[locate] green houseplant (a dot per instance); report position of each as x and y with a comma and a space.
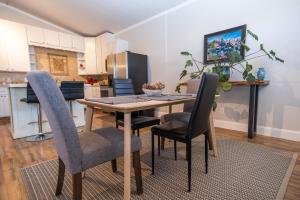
194, 68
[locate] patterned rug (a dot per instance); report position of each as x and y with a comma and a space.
240, 171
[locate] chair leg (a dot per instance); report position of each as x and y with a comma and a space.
61, 176
77, 186
158, 148
138, 172
189, 148
206, 153
138, 132
114, 165
162, 143
175, 149
152, 151
186, 152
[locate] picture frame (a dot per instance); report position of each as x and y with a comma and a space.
58, 64
218, 44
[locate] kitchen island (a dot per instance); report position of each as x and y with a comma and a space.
24, 116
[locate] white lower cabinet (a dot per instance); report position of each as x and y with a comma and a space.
24, 116
4, 102
92, 91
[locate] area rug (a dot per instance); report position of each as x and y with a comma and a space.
240, 171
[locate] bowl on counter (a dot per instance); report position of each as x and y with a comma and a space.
152, 93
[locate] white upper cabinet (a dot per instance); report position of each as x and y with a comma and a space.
65, 40
52, 38
78, 43
104, 44
90, 57
4, 66
17, 49
119, 46
35, 35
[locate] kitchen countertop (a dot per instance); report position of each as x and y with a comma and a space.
24, 85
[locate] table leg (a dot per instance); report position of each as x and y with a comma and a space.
252, 111
163, 139
89, 113
256, 105
212, 134
127, 154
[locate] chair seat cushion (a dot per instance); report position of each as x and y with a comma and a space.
173, 129
103, 145
179, 116
141, 122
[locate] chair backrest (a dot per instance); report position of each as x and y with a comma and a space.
72, 90
123, 87
198, 123
31, 97
65, 134
192, 87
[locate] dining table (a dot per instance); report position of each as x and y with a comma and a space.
129, 104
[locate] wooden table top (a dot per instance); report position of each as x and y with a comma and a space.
242, 83
245, 83
131, 107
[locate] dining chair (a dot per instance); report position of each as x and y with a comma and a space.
79, 152
197, 123
124, 87
182, 117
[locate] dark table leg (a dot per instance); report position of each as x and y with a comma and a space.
256, 106
253, 102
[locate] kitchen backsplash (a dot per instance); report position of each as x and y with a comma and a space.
52, 60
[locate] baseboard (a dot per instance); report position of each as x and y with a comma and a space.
261, 130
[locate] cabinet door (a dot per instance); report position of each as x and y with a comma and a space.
65, 40
78, 43
104, 48
51, 38
99, 54
90, 56
23, 116
3, 52
35, 35
17, 47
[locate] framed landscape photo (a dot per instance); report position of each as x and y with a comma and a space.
218, 44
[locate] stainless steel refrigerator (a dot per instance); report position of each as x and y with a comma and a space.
129, 65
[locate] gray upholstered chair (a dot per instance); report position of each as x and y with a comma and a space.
79, 152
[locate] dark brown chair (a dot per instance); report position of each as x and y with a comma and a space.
197, 125
124, 87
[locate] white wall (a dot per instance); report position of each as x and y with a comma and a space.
277, 24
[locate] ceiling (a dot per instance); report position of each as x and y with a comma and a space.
93, 17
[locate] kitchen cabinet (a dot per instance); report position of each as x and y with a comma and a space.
65, 40
35, 35
4, 66
104, 44
90, 66
119, 46
24, 116
92, 91
4, 102
78, 43
14, 47
52, 38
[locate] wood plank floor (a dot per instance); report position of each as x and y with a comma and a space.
15, 154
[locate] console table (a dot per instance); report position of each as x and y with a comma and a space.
253, 103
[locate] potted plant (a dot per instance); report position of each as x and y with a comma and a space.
194, 68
